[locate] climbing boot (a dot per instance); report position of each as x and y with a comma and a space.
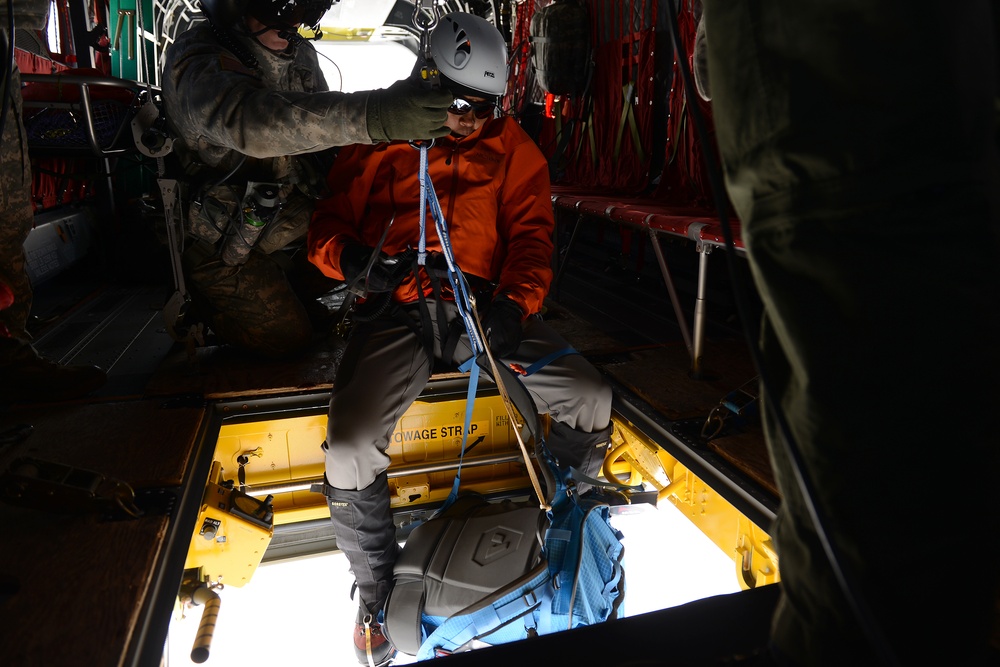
580, 450
371, 646
365, 532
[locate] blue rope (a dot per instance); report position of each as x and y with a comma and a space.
459, 285
424, 176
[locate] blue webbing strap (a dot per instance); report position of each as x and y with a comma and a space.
455, 277
470, 396
423, 176
460, 287
547, 359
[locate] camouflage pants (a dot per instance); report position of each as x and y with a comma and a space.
251, 306
15, 214
869, 210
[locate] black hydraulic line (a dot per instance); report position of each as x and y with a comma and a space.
80, 30
847, 580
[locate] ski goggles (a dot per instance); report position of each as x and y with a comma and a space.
462, 106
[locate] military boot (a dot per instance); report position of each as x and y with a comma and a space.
366, 534
28, 377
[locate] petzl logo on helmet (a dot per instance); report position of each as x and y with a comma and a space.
489, 74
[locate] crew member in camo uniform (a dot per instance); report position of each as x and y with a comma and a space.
26, 375
862, 163
246, 96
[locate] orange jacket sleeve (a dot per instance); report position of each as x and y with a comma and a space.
337, 219
525, 224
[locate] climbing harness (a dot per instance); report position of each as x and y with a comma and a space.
359, 288
460, 286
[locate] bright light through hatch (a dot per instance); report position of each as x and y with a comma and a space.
299, 611
358, 51
353, 66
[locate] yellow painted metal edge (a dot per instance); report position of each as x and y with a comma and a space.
641, 460
289, 452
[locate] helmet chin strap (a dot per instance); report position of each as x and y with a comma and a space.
290, 35
287, 33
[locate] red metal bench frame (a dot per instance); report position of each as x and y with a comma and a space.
700, 226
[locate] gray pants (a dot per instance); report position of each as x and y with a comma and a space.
252, 306
385, 367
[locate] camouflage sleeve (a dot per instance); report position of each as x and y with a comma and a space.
28, 14
212, 98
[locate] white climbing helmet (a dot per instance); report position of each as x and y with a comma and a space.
471, 55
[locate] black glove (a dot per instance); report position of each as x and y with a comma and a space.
503, 326
407, 110
386, 271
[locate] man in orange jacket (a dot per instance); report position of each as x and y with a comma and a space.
493, 186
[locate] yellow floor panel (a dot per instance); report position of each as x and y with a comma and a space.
283, 457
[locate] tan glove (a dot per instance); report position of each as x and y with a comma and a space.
407, 110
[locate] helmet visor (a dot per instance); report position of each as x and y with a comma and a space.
288, 13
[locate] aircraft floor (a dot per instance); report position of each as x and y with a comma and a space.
622, 327
120, 327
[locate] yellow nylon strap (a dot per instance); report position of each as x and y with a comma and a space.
676, 139
513, 415
628, 116
587, 135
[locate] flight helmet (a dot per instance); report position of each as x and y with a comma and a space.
274, 13
470, 54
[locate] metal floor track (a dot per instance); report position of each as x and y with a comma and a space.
119, 328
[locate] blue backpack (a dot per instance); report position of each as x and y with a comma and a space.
482, 573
